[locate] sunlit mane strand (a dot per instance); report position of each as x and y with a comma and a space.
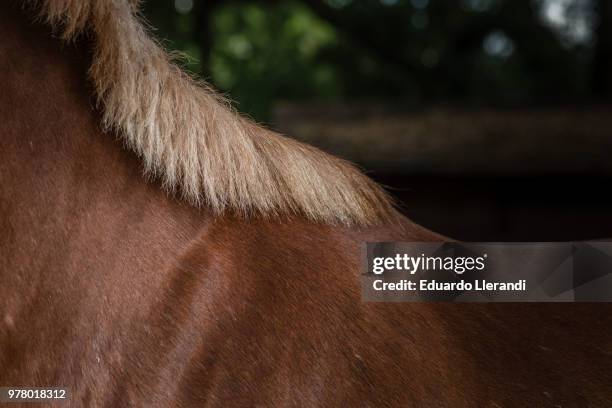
191, 139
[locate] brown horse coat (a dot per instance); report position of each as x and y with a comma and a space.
129, 297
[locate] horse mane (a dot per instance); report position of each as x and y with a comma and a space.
193, 140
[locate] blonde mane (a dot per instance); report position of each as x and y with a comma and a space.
191, 139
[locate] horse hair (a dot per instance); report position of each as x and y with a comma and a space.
193, 141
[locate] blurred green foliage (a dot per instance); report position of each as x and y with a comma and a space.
400, 52
259, 56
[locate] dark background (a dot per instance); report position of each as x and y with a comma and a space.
487, 119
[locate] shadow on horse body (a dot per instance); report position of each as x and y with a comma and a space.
130, 296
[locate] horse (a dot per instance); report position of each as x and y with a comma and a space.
158, 249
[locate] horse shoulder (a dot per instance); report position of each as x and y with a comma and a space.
282, 320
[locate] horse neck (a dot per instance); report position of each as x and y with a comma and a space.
63, 180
